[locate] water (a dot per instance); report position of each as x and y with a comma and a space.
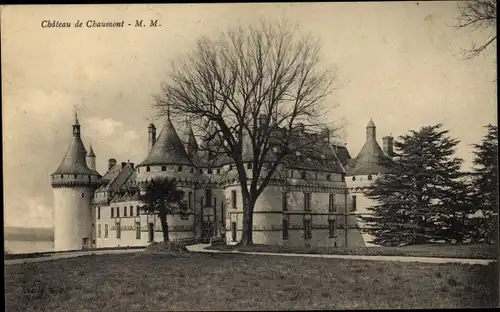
19, 246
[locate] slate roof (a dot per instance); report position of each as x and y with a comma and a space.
91, 152
168, 149
75, 162
371, 159
117, 177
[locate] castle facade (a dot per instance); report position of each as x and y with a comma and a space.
312, 200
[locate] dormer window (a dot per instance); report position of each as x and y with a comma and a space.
354, 178
148, 169
328, 177
179, 168
218, 171
62, 176
369, 177
163, 168
249, 165
230, 167
303, 175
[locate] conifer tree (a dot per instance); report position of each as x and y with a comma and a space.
419, 200
161, 197
485, 185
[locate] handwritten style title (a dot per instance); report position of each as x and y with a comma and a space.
98, 24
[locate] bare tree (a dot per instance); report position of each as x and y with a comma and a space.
256, 96
476, 15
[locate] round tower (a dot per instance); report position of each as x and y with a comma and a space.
73, 185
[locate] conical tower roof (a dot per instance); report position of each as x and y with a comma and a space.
91, 151
371, 159
168, 148
192, 145
74, 162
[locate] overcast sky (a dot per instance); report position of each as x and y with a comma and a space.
399, 64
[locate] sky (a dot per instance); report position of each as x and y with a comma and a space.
398, 63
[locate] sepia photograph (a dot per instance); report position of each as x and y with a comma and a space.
250, 156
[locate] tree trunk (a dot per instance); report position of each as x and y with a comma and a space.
164, 227
247, 234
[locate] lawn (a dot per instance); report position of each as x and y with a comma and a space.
476, 251
133, 282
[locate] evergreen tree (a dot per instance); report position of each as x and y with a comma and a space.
161, 197
485, 185
419, 200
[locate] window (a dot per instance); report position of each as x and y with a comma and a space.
148, 169
208, 197
62, 176
118, 230
354, 203
218, 171
98, 231
223, 214
184, 215
210, 170
307, 229
138, 211
105, 231
331, 228
98, 213
354, 178
249, 165
331, 202
328, 177
75, 176
369, 177
124, 211
215, 202
192, 170
117, 212
307, 201
163, 168
138, 230
179, 168
284, 201
303, 175
190, 200
200, 171
112, 212
233, 231
131, 211
138, 170
285, 229
291, 174
343, 178
83, 195
230, 167
233, 199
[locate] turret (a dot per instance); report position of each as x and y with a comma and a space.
91, 158
371, 133
73, 186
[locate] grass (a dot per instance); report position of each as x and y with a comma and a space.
189, 281
483, 251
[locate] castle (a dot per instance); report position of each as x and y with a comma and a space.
311, 200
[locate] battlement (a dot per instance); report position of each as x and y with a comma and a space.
75, 180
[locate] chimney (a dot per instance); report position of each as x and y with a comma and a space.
388, 146
371, 133
151, 136
111, 163
326, 134
261, 120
